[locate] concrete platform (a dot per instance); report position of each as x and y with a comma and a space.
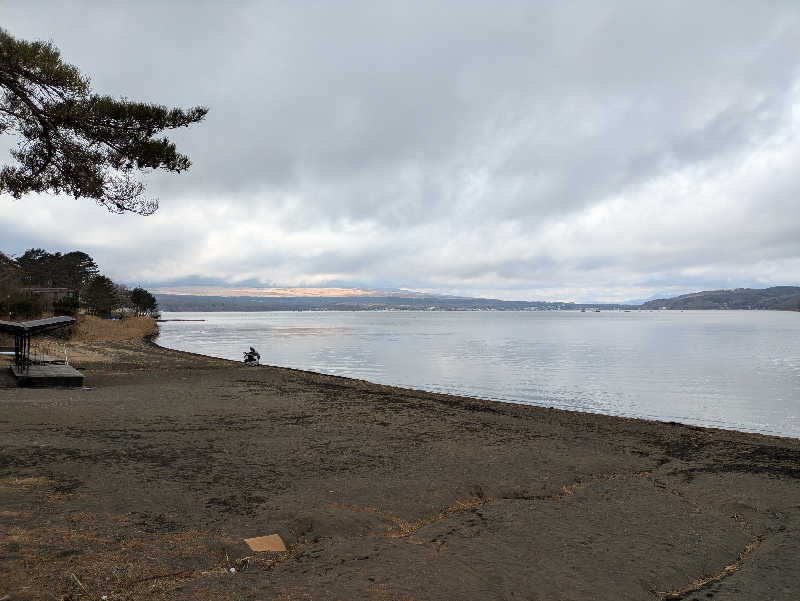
47, 375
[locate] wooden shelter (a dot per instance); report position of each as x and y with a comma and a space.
43, 372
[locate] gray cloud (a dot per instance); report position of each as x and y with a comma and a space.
525, 149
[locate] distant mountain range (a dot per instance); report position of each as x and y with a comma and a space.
785, 298
223, 291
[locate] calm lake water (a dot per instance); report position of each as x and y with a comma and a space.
730, 369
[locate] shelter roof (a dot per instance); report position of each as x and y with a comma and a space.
36, 326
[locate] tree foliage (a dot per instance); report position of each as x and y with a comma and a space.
143, 302
100, 296
10, 285
76, 142
66, 306
10, 272
77, 269
72, 270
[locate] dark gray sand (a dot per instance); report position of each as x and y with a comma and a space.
144, 486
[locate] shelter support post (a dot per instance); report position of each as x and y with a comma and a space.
22, 349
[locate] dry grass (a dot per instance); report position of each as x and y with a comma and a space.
58, 555
86, 560
699, 583
22, 483
86, 339
96, 329
403, 528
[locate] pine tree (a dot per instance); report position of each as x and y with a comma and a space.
143, 302
10, 284
72, 270
76, 142
100, 296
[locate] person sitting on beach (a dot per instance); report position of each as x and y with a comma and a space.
252, 356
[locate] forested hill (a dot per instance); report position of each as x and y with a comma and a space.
786, 298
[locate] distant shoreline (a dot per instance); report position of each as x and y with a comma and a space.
166, 320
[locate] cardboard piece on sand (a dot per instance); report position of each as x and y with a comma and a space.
273, 542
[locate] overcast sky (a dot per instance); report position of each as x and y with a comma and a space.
520, 150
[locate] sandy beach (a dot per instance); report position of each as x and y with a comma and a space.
143, 485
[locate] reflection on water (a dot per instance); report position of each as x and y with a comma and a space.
730, 369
